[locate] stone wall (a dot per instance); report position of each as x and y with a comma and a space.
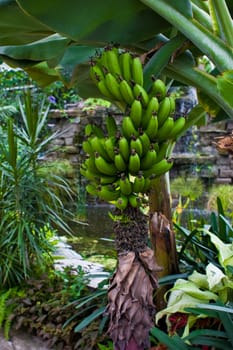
195, 153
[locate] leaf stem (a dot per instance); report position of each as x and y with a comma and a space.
223, 19
219, 53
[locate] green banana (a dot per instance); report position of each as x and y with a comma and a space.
104, 167
125, 185
152, 109
173, 104
162, 151
139, 183
97, 131
90, 165
88, 130
113, 86
135, 143
137, 71
113, 64
120, 162
165, 130
125, 63
106, 180
96, 73
128, 128
134, 162
158, 89
122, 202
136, 113
89, 175
108, 193
141, 94
111, 126
109, 145
91, 188
152, 128
126, 92
164, 110
124, 149
147, 185
134, 200
97, 145
149, 159
86, 146
158, 169
177, 128
104, 90
145, 141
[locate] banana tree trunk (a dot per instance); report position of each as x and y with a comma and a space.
161, 232
131, 306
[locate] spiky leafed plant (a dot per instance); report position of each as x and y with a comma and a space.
30, 207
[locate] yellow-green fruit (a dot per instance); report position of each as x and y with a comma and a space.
149, 159
86, 146
158, 89
128, 128
152, 109
136, 144
138, 184
125, 63
152, 128
126, 92
136, 113
91, 189
141, 94
145, 141
108, 193
177, 128
125, 186
134, 200
96, 73
111, 126
124, 148
113, 86
164, 110
165, 130
104, 167
122, 202
104, 90
158, 169
120, 162
134, 162
113, 64
97, 145
137, 71
109, 145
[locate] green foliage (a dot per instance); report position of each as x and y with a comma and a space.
47, 302
7, 307
199, 310
29, 205
225, 193
14, 82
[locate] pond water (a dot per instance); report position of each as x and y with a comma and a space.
94, 238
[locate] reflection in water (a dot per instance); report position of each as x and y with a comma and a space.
96, 236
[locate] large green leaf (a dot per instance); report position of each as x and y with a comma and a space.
16, 27
161, 58
208, 43
44, 49
225, 86
97, 22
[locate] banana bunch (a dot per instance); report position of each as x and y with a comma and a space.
121, 164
